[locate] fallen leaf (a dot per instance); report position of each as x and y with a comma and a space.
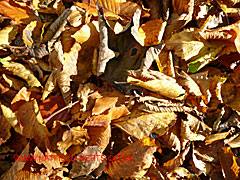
16, 12
151, 32
74, 136
141, 125
83, 165
157, 82
228, 163
21, 71
141, 153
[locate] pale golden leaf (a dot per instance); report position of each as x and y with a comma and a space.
7, 34
22, 72
141, 125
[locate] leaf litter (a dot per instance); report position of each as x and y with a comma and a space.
119, 89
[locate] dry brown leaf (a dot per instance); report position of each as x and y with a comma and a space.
233, 141
83, 164
17, 166
216, 137
11, 118
74, 136
31, 123
111, 5
141, 153
179, 173
7, 34
171, 139
5, 129
185, 80
21, 71
103, 104
99, 136
44, 7
229, 163
151, 32
157, 82
193, 129
177, 161
49, 160
13, 82
141, 125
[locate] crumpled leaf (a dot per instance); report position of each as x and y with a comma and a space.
48, 164
141, 125
185, 45
85, 167
48, 7
31, 123
105, 54
11, 118
7, 34
17, 166
193, 129
21, 71
177, 161
74, 136
229, 163
142, 154
56, 28
185, 80
157, 82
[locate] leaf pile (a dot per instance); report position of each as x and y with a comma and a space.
150, 86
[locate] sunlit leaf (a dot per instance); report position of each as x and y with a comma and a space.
151, 32
141, 125
21, 71
7, 34
229, 163
16, 12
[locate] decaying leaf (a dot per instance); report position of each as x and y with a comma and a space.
229, 163
85, 167
157, 82
21, 71
74, 136
152, 122
141, 154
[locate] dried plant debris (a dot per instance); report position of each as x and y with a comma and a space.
119, 89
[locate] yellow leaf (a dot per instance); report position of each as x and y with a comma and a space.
229, 163
88, 34
27, 33
7, 34
141, 125
56, 8
157, 82
185, 45
22, 72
